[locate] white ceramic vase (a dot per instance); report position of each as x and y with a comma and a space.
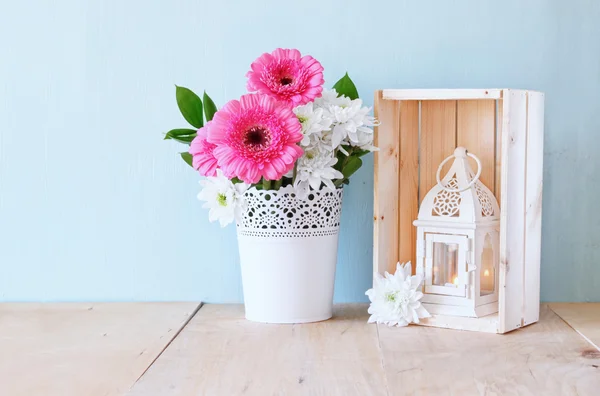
288, 253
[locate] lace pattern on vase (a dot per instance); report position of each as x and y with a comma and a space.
446, 203
282, 214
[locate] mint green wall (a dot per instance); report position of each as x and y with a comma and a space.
95, 206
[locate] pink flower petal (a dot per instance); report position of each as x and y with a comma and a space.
202, 151
286, 76
255, 137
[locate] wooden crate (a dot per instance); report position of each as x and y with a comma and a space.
504, 128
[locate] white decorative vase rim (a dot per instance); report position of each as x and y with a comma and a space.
280, 213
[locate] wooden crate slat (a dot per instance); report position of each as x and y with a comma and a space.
475, 129
533, 202
438, 140
385, 233
512, 208
441, 94
498, 171
409, 180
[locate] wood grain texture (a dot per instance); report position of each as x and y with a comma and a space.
76, 349
583, 318
498, 171
512, 214
220, 353
484, 324
438, 140
476, 131
548, 359
533, 206
385, 209
441, 94
409, 181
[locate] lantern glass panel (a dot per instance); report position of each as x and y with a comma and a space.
445, 264
487, 273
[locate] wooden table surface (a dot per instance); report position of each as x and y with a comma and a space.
137, 350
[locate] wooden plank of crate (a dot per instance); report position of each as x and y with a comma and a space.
441, 94
438, 140
485, 324
476, 131
546, 359
498, 171
91, 349
409, 180
221, 353
584, 318
385, 210
512, 208
533, 206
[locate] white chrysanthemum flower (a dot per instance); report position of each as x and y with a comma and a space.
363, 136
314, 121
314, 168
352, 125
330, 97
395, 298
223, 198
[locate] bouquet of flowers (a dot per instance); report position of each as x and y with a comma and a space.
288, 131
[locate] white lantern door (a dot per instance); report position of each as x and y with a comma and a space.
446, 264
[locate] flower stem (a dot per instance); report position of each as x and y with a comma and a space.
266, 184
295, 172
277, 184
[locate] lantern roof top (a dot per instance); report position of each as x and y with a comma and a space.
460, 197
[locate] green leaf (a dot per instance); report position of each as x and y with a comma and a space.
190, 106
346, 87
352, 165
181, 135
341, 158
187, 157
360, 152
209, 107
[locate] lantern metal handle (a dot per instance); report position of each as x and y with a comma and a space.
459, 190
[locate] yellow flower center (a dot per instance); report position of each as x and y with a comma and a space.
222, 199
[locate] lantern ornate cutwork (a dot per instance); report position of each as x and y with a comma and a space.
458, 242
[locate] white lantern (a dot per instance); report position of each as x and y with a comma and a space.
458, 242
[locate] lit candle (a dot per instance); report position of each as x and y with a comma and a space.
487, 282
454, 282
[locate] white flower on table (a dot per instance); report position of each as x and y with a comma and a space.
224, 198
395, 298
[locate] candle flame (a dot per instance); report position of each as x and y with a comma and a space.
486, 273
455, 280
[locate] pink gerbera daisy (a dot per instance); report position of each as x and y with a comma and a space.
287, 76
255, 137
201, 150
